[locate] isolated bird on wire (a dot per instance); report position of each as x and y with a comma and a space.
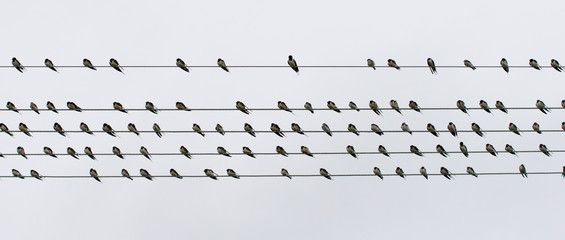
182, 65
394, 105
58, 128
185, 152
508, 148
441, 150
377, 172
181, 106
143, 150
94, 174
220, 129
513, 128
12, 106
400, 172
73, 106
249, 129
555, 64
392, 63
332, 106
211, 174
232, 173
306, 151
504, 65
352, 129
292, 63
432, 129
174, 173
277, 130
149, 106
241, 107
326, 129
534, 64
133, 129
34, 107
35, 174
23, 128
221, 150
477, 129
373, 106
383, 150
468, 64
247, 151
484, 105
376, 129
308, 106
452, 129
353, 106
351, 151
280, 150
325, 173
17, 174
472, 172
544, 150
114, 64
88, 152
17, 65
501, 106
563, 103
108, 129
283, 106
405, 128
432, 66
445, 173
490, 149
117, 152
222, 64
88, 64
536, 127
371, 64
21, 151
157, 130
415, 150
424, 172
50, 65
5, 129
463, 149
296, 128
197, 129
49, 151
145, 173
414, 106
72, 152
285, 173
461, 105
522, 170
51, 107
542, 107
118, 106
563, 126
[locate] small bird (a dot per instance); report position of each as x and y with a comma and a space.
501, 106
468, 64
352, 129
432, 66
143, 150
185, 152
74, 107
283, 106
247, 151
461, 106
490, 149
174, 173
535, 126
50, 65
181, 106
394, 105
223, 151
292, 63
415, 150
108, 129
197, 129
88, 152
114, 63
145, 173
424, 172
477, 129
281, 151
51, 106
58, 128
414, 106
555, 64
563, 126
383, 150
12, 107
149, 106
35, 174
510, 149
220, 129
117, 152
157, 130
88, 64
441, 150
392, 63
326, 129
222, 64
72, 152
504, 65
563, 174
325, 173
484, 105
34, 107
17, 174
513, 128
94, 174
405, 128
249, 129
118, 106
182, 65
432, 129
5, 129
306, 151
542, 107
211, 174
296, 128
375, 128
472, 172
125, 173
49, 151
241, 107
452, 129
308, 106
232, 173
522, 170
371, 64
133, 129
400, 172
534, 64
23, 128
20, 150
373, 105
377, 172
332, 106
563, 103
353, 106
277, 130
285, 173
463, 149
445, 173
17, 65
544, 150
351, 151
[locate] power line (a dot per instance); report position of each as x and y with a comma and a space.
277, 109
277, 66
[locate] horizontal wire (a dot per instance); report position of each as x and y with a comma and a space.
277, 109
276, 66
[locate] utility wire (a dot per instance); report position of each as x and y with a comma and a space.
275, 66
277, 109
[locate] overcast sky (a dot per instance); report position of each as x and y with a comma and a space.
265, 33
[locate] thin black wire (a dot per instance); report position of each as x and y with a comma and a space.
287, 132
275, 66
277, 109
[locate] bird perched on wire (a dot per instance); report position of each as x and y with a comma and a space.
463, 149
280, 150
432, 129
351, 151
118, 106
296, 128
277, 130
414, 106
117, 152
461, 105
12, 106
51, 107
87, 63
542, 107
352, 129
185, 152
377, 172
114, 64
181, 106
34, 107
400, 172
376, 129
522, 170
373, 106
555, 64
490, 149
182, 65
325, 173
508, 148
247, 151
394, 105
285, 173
21, 151
501, 106
534, 64
58, 128
241, 107
513, 128
424, 172
72, 152
157, 130
196, 128
232, 173
452, 129
23, 128
292, 63
221, 150
371, 64
143, 150
17, 174
108, 129
50, 65
504, 65
211, 174
353, 106
472, 172
544, 150
326, 129
392, 64
432, 66
5, 129
88, 152
405, 128
477, 129
220, 129
149, 106
73, 106
415, 150
174, 173
306, 151
35, 174
222, 64
17, 65
484, 105
445, 173
145, 174
468, 64
94, 175
536, 127
441, 150
133, 129
283, 106
383, 150
49, 151
308, 106
332, 106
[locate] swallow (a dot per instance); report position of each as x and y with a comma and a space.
5, 129
308, 106
513, 128
351, 151
277, 130
49, 151
73, 106
17, 174
223, 151
472, 172
94, 174
468, 64
563, 173
149, 106
197, 129
17, 65
353, 106
182, 65
501, 106
510, 149
563, 103
477, 129
535, 126
555, 64
23, 128
222, 64
504, 65
441, 150
522, 170
181, 106
185, 152
292, 63
377, 172
247, 151
563, 126
281, 151
58, 128
174, 173
88, 64
20, 150
534, 64
424, 172
326, 129
143, 150
415, 150
461, 105
325, 173
35, 174
463, 149
133, 129
88, 152
232, 173
50, 65
108, 129
285, 173
296, 128
414, 106
283, 106
542, 107
249, 129
241, 107
114, 63
544, 150
484, 105
157, 130
72, 152
34, 107
445, 173
117, 152
371, 64
211, 174
452, 129
118, 106
125, 173
400, 173
12, 107
373, 105
306, 151
432, 66
332, 106
392, 63
432, 129
51, 107
490, 149
220, 129
394, 105
375, 128
383, 150
405, 128
352, 129
145, 173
